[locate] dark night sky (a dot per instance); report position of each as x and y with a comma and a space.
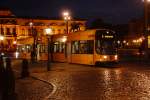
113, 11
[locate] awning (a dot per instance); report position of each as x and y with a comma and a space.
27, 40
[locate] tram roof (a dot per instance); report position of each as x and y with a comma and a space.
92, 31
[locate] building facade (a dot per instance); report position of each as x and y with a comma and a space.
22, 32
135, 35
137, 39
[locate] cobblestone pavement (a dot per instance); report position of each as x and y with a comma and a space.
75, 82
31, 88
125, 81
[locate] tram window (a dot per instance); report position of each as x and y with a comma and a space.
83, 47
43, 48
28, 48
56, 47
19, 48
90, 46
24, 48
75, 47
62, 47
86, 47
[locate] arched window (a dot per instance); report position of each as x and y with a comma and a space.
23, 32
53, 31
59, 31
14, 32
64, 31
8, 31
2, 31
29, 32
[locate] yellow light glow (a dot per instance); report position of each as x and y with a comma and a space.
1, 38
105, 57
118, 42
124, 41
15, 42
48, 31
66, 13
107, 36
31, 24
127, 43
140, 39
2, 54
69, 17
17, 54
64, 39
65, 18
134, 41
116, 57
147, 0
107, 32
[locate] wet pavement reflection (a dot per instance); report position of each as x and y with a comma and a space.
99, 83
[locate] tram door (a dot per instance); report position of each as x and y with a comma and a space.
38, 52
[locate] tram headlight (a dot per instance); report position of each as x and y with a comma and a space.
116, 57
105, 57
2, 54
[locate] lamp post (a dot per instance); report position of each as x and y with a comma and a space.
1, 40
146, 24
49, 33
66, 17
1, 27
33, 52
1, 34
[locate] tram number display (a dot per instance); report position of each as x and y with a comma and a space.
107, 36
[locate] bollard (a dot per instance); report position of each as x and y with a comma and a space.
8, 81
25, 69
1, 78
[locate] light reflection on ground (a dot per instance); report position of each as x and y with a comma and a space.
99, 83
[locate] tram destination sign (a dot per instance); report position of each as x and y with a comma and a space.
107, 36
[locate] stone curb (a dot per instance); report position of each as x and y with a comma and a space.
36, 78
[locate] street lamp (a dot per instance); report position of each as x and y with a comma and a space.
49, 46
66, 17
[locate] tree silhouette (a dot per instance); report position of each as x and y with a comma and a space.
75, 27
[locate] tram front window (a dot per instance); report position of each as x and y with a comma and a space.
105, 47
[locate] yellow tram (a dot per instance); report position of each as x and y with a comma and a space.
85, 47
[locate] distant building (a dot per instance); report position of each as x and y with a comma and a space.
22, 31
135, 35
